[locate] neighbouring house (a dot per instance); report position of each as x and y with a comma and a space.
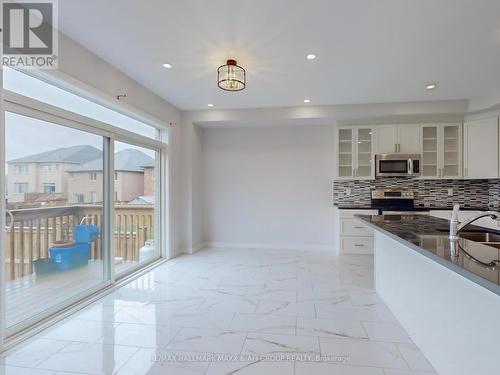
149, 181
85, 183
43, 176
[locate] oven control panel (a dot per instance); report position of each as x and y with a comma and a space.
392, 194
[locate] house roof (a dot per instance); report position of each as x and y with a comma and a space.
143, 199
75, 154
128, 160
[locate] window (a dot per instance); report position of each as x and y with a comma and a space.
92, 176
21, 169
93, 197
20, 187
78, 198
48, 167
24, 84
49, 188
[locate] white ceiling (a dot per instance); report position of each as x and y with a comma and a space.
369, 51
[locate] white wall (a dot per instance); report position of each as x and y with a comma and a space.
268, 187
190, 163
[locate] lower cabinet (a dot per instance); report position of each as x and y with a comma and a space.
351, 234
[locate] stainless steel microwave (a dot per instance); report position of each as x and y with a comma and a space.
397, 165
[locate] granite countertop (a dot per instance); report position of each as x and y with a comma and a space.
415, 208
429, 236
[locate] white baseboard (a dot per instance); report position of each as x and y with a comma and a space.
239, 245
194, 249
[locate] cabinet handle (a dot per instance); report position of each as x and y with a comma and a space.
359, 227
466, 172
399, 147
358, 245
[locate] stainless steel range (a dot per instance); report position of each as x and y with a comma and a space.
395, 202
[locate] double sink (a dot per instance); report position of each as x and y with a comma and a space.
485, 238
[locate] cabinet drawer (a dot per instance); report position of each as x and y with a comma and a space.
354, 227
362, 245
349, 214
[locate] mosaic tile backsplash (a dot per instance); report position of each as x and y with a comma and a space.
428, 193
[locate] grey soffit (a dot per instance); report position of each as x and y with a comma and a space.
428, 193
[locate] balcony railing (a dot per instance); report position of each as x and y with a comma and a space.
34, 230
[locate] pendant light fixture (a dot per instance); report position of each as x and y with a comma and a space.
231, 77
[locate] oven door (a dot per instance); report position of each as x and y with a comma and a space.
394, 165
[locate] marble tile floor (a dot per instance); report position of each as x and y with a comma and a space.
232, 311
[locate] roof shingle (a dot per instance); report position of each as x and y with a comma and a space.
75, 154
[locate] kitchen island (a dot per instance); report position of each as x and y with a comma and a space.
450, 306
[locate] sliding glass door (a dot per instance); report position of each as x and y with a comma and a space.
54, 239
83, 202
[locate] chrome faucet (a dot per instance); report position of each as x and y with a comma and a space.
456, 226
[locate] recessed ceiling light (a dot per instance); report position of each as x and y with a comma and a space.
307, 100
431, 86
167, 65
311, 56
210, 105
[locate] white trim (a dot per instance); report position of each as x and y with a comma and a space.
270, 246
2, 218
77, 87
109, 208
159, 204
164, 193
194, 249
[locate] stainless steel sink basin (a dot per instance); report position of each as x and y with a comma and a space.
483, 237
477, 236
496, 245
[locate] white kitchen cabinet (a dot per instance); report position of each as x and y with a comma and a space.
404, 139
352, 235
481, 139
355, 153
409, 139
441, 151
387, 139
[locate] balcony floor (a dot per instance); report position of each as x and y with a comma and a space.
32, 294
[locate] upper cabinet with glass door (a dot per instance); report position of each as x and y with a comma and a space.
355, 153
441, 151
364, 153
